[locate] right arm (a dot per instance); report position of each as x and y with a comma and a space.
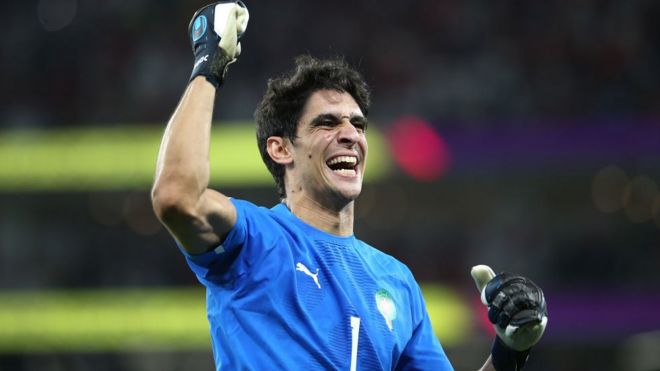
198, 217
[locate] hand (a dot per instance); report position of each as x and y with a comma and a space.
518, 311
214, 32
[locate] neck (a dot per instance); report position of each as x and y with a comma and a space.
337, 221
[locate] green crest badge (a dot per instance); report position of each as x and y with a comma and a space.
386, 307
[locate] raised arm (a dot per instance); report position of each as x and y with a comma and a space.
198, 217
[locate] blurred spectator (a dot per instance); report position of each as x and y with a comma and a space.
72, 62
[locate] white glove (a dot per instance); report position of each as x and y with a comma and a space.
215, 31
231, 20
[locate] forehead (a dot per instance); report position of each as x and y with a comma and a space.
330, 101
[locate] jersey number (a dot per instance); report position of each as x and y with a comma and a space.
355, 332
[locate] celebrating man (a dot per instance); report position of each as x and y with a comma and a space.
291, 287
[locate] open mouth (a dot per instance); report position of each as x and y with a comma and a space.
343, 165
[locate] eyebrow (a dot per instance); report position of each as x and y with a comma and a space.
324, 117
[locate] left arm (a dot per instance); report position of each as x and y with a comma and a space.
488, 366
518, 311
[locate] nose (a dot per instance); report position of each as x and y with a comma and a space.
348, 133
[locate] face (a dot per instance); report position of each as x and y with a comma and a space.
330, 151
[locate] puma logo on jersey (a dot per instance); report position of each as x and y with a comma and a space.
315, 276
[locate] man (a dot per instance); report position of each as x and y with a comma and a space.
291, 287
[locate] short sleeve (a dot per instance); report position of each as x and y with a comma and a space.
222, 264
423, 351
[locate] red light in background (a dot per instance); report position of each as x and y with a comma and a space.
481, 312
418, 149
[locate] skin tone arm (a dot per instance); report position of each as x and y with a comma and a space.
197, 216
488, 366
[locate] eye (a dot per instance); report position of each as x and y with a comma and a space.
360, 125
329, 123
325, 122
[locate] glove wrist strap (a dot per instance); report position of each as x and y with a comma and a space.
215, 71
507, 359
210, 78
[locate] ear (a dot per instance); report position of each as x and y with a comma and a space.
278, 149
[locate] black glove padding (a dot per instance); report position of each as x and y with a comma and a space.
514, 301
214, 32
517, 309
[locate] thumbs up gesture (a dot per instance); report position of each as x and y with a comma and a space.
518, 312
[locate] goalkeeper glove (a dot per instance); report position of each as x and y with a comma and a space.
214, 34
518, 311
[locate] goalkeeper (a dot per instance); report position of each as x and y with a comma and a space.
291, 287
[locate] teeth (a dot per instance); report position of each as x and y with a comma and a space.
345, 171
347, 159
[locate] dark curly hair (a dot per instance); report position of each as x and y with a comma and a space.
280, 109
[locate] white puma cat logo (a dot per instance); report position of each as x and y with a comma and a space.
301, 267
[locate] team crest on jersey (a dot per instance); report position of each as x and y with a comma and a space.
386, 307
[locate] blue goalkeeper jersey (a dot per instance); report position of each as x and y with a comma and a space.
283, 295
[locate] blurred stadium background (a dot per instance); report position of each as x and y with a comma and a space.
521, 134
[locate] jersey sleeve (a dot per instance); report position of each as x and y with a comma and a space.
231, 259
423, 351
